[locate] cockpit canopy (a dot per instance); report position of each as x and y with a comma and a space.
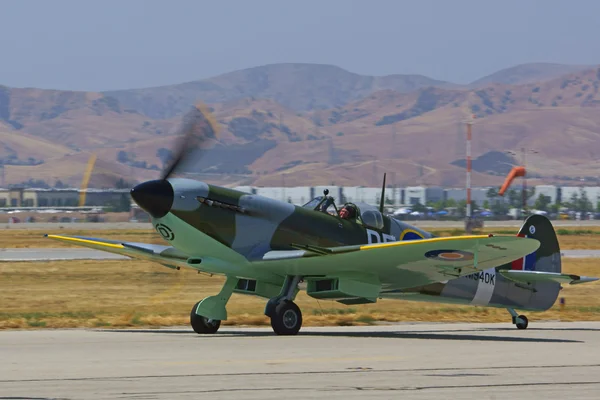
312, 205
372, 219
366, 214
322, 203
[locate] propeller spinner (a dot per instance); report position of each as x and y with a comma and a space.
198, 126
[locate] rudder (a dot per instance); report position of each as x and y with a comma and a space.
547, 256
545, 259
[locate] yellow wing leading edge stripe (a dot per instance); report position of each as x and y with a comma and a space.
410, 242
365, 247
72, 239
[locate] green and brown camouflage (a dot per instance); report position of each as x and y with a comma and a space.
253, 225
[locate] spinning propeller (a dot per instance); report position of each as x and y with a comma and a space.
198, 126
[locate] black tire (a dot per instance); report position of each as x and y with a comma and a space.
287, 318
524, 323
203, 325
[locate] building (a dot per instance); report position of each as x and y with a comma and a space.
591, 192
394, 196
434, 194
36, 197
299, 194
415, 195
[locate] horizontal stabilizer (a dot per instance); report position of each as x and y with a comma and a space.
530, 277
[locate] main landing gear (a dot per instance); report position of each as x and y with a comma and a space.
520, 321
286, 317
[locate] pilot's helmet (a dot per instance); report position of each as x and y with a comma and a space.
352, 210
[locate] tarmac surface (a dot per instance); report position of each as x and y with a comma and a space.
50, 254
415, 361
59, 254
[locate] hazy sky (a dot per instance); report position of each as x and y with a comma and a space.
120, 44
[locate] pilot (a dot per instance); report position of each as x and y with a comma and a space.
348, 212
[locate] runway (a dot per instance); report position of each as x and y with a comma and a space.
50, 254
416, 361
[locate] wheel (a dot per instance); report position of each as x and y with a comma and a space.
524, 322
287, 318
203, 325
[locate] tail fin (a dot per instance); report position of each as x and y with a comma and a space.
535, 295
547, 256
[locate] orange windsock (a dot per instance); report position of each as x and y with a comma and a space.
514, 173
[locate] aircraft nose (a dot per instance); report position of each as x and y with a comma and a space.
154, 197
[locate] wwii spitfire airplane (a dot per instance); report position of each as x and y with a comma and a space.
356, 255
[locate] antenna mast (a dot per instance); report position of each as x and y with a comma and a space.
382, 201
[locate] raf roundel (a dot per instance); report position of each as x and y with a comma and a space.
165, 231
450, 255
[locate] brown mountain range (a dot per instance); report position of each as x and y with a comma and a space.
280, 125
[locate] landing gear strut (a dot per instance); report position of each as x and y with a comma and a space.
520, 321
207, 314
286, 317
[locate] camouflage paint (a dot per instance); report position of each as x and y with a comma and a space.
253, 226
265, 224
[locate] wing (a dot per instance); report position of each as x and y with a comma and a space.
529, 277
165, 255
403, 264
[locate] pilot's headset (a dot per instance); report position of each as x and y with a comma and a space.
352, 210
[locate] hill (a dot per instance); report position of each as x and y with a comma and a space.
299, 87
417, 136
305, 87
528, 73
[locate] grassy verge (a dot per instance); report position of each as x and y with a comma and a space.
134, 293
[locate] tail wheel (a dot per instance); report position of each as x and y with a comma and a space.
522, 322
201, 324
287, 318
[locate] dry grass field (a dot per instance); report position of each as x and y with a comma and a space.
133, 293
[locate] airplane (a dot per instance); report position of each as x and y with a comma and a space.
354, 254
